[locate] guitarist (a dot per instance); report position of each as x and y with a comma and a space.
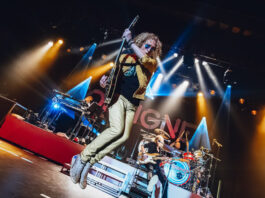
138, 63
155, 148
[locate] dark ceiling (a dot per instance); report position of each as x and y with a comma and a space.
232, 33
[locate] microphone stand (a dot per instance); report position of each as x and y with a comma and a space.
209, 174
215, 165
166, 182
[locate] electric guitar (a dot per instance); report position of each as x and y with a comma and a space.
150, 158
114, 74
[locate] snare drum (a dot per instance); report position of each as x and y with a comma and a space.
188, 156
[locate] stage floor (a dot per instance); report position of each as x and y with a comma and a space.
24, 175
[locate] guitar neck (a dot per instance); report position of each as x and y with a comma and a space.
110, 88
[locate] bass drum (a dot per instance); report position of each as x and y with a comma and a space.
177, 172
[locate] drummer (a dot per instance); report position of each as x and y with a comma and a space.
178, 144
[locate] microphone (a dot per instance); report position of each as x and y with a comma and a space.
217, 143
213, 142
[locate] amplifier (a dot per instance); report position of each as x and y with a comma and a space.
139, 185
111, 176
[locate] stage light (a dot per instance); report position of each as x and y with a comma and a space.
241, 101
200, 94
111, 64
103, 57
60, 41
27, 66
81, 49
202, 108
174, 69
200, 77
254, 112
175, 98
213, 78
68, 50
169, 58
200, 138
160, 65
212, 92
55, 105
107, 58
157, 84
186, 82
50, 44
95, 72
180, 90
110, 42
229, 86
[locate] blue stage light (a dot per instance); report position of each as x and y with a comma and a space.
103, 122
55, 105
229, 86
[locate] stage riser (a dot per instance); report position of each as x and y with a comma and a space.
38, 140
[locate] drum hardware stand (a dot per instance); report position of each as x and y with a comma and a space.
74, 132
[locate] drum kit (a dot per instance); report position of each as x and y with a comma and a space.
189, 170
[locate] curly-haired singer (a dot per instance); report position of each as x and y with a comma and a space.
138, 63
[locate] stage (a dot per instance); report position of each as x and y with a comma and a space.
32, 161
23, 174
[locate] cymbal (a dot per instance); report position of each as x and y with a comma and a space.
162, 132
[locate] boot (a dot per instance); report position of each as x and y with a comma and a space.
83, 178
76, 168
152, 183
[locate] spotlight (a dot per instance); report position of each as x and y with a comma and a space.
103, 57
50, 44
186, 82
174, 69
55, 105
111, 64
196, 60
212, 92
81, 49
213, 77
254, 112
175, 54
68, 50
241, 101
200, 94
60, 41
229, 86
